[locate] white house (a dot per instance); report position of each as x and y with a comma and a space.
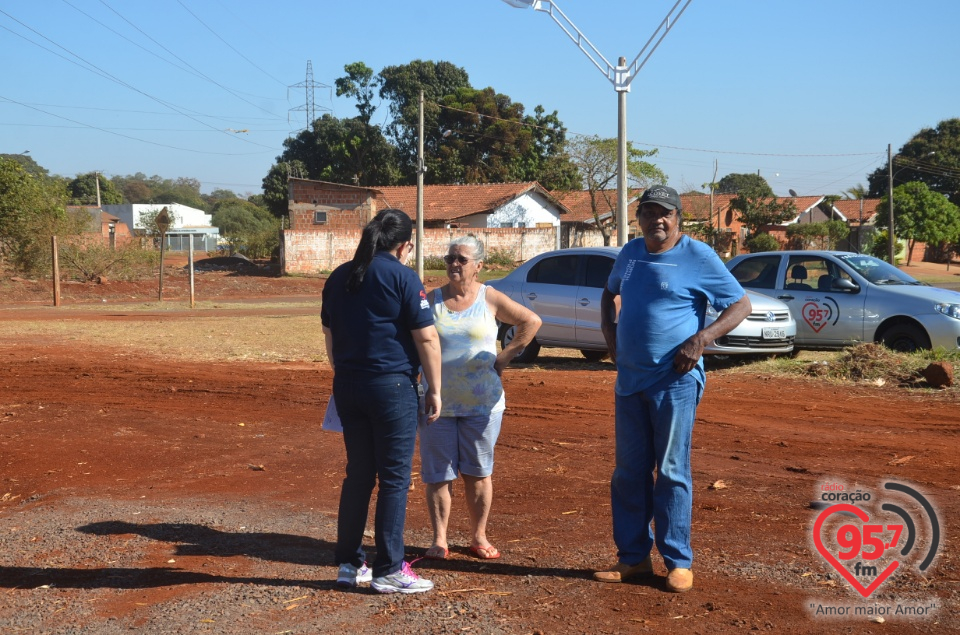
187, 223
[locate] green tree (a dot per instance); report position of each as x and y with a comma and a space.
28, 164
275, 196
931, 156
344, 151
183, 190
83, 190
140, 189
135, 188
31, 211
401, 87
548, 162
360, 83
857, 192
744, 183
487, 139
596, 160
756, 210
920, 214
248, 229
822, 235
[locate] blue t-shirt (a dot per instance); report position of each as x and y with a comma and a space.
371, 327
663, 301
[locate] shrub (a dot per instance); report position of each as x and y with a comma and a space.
762, 242
87, 261
501, 258
433, 263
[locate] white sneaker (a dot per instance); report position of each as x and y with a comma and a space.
403, 581
348, 576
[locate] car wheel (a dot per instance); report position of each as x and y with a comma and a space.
593, 356
530, 351
905, 338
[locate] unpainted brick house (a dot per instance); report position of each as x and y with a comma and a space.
326, 219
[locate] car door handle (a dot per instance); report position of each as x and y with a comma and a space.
531, 296
785, 297
584, 301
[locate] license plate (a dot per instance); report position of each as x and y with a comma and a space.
771, 333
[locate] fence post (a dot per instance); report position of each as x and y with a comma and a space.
56, 271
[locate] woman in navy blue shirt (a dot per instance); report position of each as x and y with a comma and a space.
378, 327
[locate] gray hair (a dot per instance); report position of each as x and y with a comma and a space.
470, 241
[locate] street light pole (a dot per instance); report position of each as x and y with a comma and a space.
891, 241
620, 76
421, 168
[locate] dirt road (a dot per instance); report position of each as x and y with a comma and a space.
164, 497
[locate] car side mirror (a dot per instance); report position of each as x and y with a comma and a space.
842, 284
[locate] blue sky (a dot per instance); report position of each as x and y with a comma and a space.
807, 92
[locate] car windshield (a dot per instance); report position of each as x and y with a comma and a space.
877, 271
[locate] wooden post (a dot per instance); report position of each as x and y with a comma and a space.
190, 238
56, 271
163, 240
163, 221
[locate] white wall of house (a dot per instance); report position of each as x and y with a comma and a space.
529, 210
134, 215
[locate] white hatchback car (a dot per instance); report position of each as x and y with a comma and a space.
564, 287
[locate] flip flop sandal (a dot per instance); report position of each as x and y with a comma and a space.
485, 553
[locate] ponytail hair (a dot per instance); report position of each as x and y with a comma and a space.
385, 232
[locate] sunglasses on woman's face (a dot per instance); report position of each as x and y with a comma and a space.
450, 259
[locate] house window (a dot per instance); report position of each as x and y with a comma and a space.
506, 225
319, 218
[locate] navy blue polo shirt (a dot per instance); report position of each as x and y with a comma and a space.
371, 326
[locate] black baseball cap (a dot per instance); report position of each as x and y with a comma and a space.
662, 195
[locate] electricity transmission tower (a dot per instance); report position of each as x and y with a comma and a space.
309, 86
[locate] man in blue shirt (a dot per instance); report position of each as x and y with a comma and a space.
665, 281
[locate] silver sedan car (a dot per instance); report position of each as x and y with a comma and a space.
564, 287
842, 298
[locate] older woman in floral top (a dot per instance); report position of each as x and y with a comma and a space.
461, 441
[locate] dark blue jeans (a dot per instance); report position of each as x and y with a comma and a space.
379, 416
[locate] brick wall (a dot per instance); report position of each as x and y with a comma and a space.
346, 207
318, 250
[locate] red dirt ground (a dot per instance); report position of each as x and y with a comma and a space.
87, 435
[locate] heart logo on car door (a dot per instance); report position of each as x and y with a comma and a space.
820, 314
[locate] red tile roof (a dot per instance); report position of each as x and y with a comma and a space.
851, 208
581, 209
450, 202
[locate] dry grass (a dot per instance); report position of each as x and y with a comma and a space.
217, 338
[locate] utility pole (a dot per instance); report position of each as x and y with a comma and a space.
713, 185
891, 240
96, 175
421, 168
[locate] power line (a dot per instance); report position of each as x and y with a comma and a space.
197, 18
162, 145
197, 71
148, 112
97, 70
655, 145
759, 154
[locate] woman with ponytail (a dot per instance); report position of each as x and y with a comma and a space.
378, 327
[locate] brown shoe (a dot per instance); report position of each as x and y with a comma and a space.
621, 572
680, 580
